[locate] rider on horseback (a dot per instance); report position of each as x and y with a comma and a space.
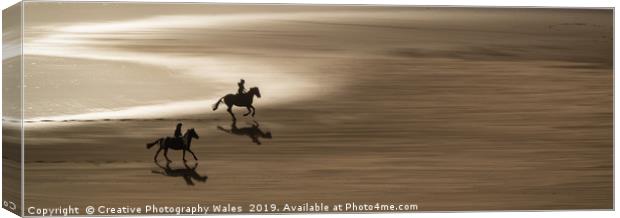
177, 131
241, 89
241, 99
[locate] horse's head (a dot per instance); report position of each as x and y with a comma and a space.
255, 91
192, 133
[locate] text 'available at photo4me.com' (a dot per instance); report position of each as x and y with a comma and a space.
314, 207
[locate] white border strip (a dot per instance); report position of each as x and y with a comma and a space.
468, 3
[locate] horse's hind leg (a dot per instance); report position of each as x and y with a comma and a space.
191, 152
166, 155
253, 110
157, 153
230, 112
184, 155
249, 111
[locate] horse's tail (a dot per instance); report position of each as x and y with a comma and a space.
217, 103
149, 145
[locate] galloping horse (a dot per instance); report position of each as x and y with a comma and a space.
182, 143
243, 100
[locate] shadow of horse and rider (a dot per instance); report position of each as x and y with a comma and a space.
253, 131
188, 173
184, 141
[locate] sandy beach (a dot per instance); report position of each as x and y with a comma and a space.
452, 109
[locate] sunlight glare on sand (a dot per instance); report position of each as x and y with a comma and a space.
84, 41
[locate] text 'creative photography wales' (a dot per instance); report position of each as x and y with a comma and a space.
138, 108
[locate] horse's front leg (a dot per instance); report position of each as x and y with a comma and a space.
253, 110
249, 111
191, 152
184, 155
166, 154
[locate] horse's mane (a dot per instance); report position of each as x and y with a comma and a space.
188, 131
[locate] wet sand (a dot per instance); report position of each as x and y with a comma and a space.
479, 151
511, 118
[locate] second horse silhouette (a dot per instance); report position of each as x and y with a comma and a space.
241, 100
175, 143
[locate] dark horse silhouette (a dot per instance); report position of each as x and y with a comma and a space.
241, 100
188, 173
182, 143
253, 132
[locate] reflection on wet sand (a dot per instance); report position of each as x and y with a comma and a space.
253, 131
188, 173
